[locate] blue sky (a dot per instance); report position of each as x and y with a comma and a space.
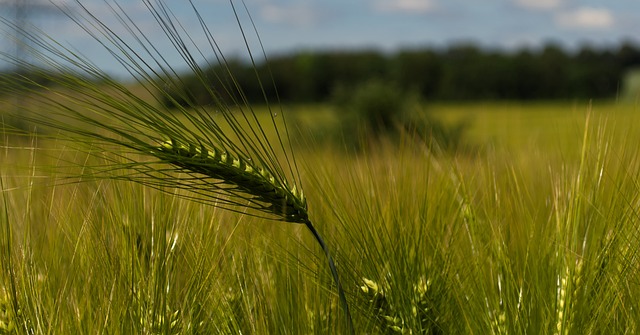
390, 24
288, 25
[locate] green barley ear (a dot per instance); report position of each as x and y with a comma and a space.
257, 183
220, 154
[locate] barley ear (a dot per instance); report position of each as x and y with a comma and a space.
257, 183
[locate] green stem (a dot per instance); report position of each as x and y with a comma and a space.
8, 262
334, 272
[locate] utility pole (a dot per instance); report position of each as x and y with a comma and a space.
22, 12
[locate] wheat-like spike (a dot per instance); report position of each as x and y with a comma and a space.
283, 200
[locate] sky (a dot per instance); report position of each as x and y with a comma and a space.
288, 25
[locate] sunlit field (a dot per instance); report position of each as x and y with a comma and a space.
197, 198
532, 228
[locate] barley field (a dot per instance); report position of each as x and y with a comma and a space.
535, 231
135, 208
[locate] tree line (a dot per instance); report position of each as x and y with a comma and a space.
460, 72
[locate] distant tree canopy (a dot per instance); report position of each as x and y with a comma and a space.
24, 80
461, 72
21, 80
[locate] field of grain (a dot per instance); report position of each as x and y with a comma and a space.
534, 230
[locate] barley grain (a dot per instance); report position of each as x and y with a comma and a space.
283, 200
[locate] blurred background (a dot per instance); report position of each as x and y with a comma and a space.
382, 66
462, 49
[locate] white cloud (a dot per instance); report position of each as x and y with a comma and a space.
295, 14
586, 17
408, 6
539, 4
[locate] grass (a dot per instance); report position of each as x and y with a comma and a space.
548, 126
501, 236
507, 241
